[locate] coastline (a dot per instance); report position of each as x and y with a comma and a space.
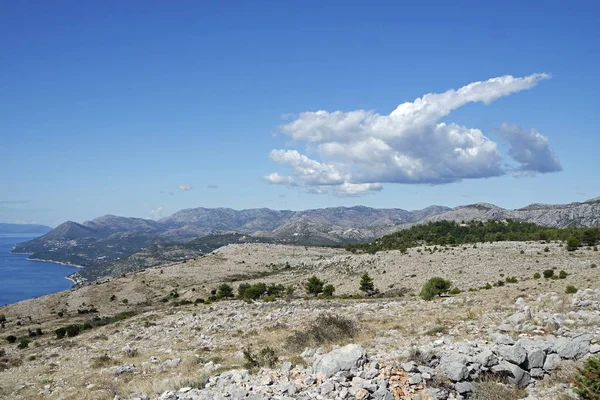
54, 262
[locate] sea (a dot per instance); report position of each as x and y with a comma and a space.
22, 279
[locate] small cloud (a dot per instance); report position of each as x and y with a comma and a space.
277, 179
184, 187
156, 214
213, 186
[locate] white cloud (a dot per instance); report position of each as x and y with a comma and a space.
359, 150
213, 186
529, 148
184, 187
277, 179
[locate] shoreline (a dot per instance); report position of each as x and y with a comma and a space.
56, 262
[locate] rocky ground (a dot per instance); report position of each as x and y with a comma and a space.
531, 331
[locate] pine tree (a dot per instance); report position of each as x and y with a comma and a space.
366, 283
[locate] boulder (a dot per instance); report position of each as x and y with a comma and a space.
342, 359
515, 354
535, 359
572, 349
552, 362
514, 373
487, 358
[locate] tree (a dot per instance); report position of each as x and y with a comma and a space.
573, 243
314, 285
224, 291
242, 289
435, 287
328, 290
590, 237
366, 283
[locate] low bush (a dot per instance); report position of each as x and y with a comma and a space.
11, 339
587, 380
455, 291
23, 343
562, 274
593, 265
511, 279
548, 273
537, 275
570, 289
328, 290
224, 291
494, 390
266, 357
326, 328
435, 286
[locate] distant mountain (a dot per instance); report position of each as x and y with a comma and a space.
576, 215
24, 228
106, 239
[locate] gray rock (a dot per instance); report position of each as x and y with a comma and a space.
342, 359
514, 373
487, 358
595, 348
121, 369
535, 359
514, 354
536, 372
382, 394
503, 339
415, 379
455, 371
572, 349
409, 366
463, 387
435, 394
326, 388
552, 362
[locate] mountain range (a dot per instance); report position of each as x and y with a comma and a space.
109, 238
23, 228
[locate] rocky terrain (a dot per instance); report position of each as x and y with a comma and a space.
152, 339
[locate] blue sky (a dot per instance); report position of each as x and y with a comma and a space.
110, 107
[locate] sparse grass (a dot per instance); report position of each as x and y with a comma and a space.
102, 361
489, 389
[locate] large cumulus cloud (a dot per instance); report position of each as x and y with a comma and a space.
359, 150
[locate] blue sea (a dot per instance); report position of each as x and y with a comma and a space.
22, 279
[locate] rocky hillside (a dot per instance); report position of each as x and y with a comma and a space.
155, 334
577, 215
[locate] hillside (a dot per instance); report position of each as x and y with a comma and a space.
111, 238
158, 334
23, 228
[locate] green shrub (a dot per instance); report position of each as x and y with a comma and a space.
2, 318
266, 357
546, 249
11, 339
60, 333
314, 285
224, 291
522, 252
252, 292
570, 289
73, 330
455, 291
494, 390
573, 243
328, 290
325, 329
587, 380
562, 274
487, 286
23, 343
511, 279
593, 265
435, 286
548, 273
537, 275
366, 283
242, 287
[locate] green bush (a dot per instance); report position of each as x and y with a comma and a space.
455, 291
548, 273
573, 243
593, 265
562, 274
366, 283
252, 292
23, 343
314, 285
511, 279
224, 291
242, 287
328, 290
570, 289
587, 380
11, 339
435, 286
325, 329
537, 275
546, 249
73, 330
266, 357
2, 318
522, 252
487, 286
60, 333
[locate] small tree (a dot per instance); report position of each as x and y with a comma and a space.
224, 291
366, 283
435, 287
328, 290
314, 285
242, 289
573, 243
